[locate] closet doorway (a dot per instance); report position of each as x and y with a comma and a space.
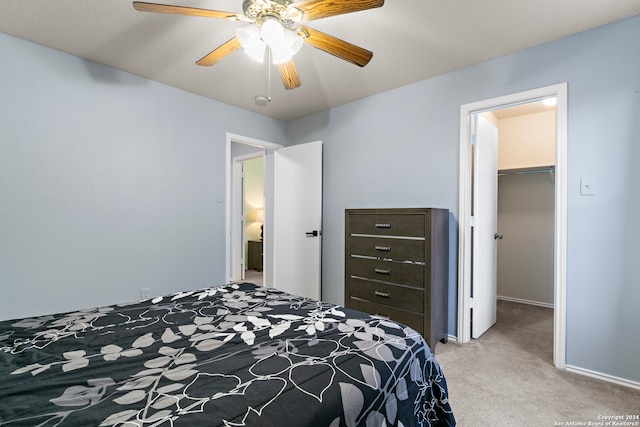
478, 293
526, 206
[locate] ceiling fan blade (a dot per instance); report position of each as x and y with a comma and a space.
181, 10
220, 52
289, 75
316, 9
333, 45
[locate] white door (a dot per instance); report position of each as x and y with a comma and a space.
485, 214
297, 219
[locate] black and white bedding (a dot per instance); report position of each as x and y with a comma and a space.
233, 355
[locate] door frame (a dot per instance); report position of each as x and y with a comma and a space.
231, 226
560, 219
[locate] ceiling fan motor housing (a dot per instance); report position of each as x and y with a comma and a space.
260, 10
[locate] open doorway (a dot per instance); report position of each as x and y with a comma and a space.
253, 219
468, 220
292, 226
526, 206
241, 215
525, 225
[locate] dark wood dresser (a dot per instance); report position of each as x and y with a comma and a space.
254, 255
397, 266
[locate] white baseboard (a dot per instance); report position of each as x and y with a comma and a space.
604, 377
525, 301
452, 338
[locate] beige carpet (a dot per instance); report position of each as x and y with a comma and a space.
253, 276
507, 378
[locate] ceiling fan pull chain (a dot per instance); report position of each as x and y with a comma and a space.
269, 75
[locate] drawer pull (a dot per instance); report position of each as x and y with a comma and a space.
383, 294
383, 248
382, 271
383, 225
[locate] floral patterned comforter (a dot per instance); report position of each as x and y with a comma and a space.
232, 355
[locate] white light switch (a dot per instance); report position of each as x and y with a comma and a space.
587, 187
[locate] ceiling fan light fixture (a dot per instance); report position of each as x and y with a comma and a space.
249, 38
271, 31
289, 46
283, 42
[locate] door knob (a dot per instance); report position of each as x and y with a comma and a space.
498, 236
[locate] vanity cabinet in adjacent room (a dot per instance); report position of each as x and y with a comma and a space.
397, 265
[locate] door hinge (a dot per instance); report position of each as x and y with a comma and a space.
472, 303
473, 221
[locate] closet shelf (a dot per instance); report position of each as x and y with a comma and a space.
525, 171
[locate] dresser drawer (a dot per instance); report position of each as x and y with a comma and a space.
396, 249
394, 272
382, 293
413, 320
388, 224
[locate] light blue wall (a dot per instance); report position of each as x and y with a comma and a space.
108, 183
400, 148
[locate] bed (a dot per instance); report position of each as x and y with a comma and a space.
233, 355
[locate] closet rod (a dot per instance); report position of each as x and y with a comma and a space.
550, 169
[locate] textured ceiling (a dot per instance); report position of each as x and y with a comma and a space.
411, 39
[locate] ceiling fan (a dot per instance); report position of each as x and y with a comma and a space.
274, 27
